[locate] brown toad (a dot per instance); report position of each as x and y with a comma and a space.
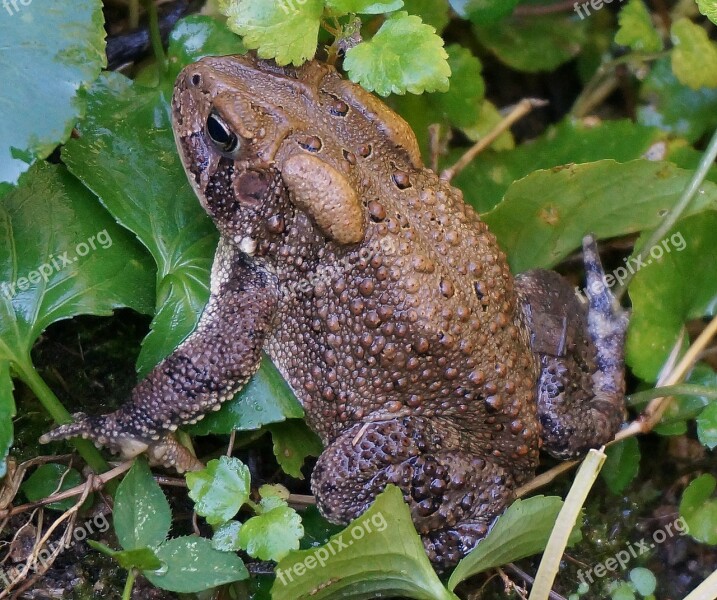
383, 300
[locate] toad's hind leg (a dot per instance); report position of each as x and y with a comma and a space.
580, 346
209, 367
453, 494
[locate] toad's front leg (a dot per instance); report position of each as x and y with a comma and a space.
208, 368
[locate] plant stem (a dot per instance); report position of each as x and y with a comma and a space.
603, 80
129, 584
518, 112
104, 480
568, 516
707, 160
133, 14
155, 35
683, 389
58, 412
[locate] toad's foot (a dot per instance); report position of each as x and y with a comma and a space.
105, 431
580, 345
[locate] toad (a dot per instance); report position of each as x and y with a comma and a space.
384, 301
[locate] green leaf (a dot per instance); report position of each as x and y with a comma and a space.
273, 534
707, 426
667, 102
622, 592
622, 464
126, 154
197, 36
636, 28
432, 12
226, 537
677, 283
293, 442
404, 55
709, 9
683, 155
540, 43
544, 216
461, 106
488, 118
699, 509
141, 558
486, 180
317, 530
7, 413
368, 559
484, 12
644, 581
694, 57
267, 398
367, 7
272, 496
61, 46
671, 429
687, 408
61, 255
600, 37
522, 530
142, 517
191, 565
285, 30
260, 587
220, 489
49, 479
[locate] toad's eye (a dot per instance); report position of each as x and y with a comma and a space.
224, 138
